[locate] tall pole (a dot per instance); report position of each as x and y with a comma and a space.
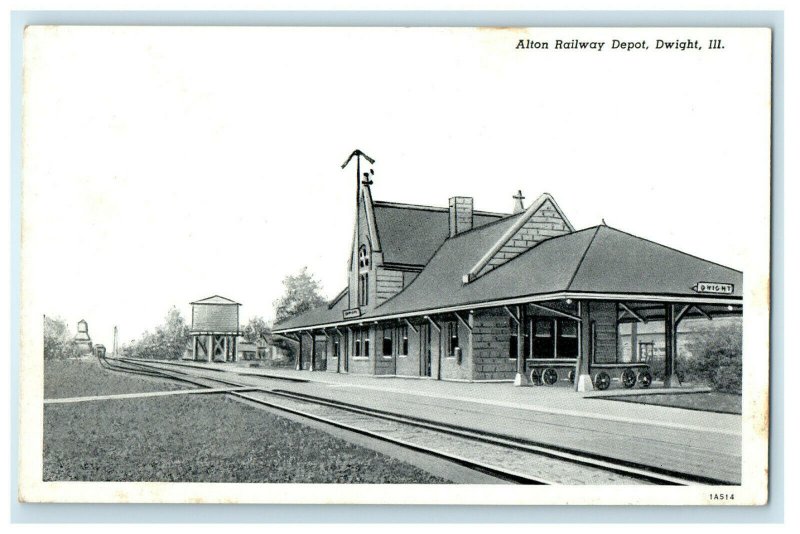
115, 340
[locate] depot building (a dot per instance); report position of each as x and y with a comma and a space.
452, 293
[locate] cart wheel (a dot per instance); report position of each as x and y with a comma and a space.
535, 378
645, 379
571, 375
628, 378
550, 376
602, 380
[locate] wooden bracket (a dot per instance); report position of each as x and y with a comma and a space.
433, 323
701, 312
681, 313
511, 314
557, 312
461, 319
411, 326
632, 313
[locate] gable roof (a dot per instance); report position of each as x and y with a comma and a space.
502, 247
595, 261
411, 234
598, 260
216, 299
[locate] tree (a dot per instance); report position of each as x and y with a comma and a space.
302, 293
58, 341
717, 357
167, 342
256, 330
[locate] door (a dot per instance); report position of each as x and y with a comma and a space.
425, 349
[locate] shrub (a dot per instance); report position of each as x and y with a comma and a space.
717, 358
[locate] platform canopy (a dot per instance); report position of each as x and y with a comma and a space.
598, 263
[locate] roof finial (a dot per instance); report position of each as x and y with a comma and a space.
367, 180
519, 207
604, 222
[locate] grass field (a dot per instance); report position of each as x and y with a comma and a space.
714, 401
195, 438
80, 378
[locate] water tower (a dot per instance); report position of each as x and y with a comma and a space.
215, 327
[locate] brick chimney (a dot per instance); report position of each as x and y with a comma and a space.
460, 215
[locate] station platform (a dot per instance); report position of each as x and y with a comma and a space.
693, 442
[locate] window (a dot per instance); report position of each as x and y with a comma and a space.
542, 344
402, 340
387, 342
363, 289
452, 338
361, 343
567, 339
363, 258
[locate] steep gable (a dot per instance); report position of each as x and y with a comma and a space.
542, 220
411, 234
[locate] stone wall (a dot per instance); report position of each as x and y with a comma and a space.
604, 317
409, 365
543, 224
454, 367
362, 365
490, 346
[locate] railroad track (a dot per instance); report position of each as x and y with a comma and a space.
503, 457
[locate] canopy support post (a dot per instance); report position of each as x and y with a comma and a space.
583, 380
520, 380
670, 347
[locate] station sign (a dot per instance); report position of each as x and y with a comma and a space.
352, 313
716, 288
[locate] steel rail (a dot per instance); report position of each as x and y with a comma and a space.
656, 475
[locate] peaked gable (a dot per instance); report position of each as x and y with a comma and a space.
216, 299
411, 234
542, 220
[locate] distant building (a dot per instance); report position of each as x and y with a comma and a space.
648, 338
82, 338
246, 350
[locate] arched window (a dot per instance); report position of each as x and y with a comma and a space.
363, 289
363, 257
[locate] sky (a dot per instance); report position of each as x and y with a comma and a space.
165, 165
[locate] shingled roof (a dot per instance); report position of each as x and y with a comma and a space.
598, 260
410, 234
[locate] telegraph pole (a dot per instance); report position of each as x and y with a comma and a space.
115, 341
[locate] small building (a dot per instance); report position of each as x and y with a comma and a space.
647, 339
82, 338
246, 350
215, 329
453, 293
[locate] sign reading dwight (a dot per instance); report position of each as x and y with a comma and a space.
352, 313
717, 288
